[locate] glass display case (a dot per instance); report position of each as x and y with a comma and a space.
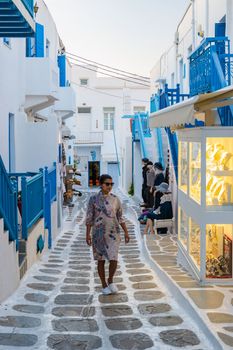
195, 170
183, 227
219, 251
205, 202
195, 242
219, 171
183, 166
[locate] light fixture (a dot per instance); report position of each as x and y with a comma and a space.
36, 8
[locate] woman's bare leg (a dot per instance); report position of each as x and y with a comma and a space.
151, 226
101, 272
112, 270
146, 228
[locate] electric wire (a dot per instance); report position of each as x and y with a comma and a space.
110, 75
104, 65
106, 93
109, 70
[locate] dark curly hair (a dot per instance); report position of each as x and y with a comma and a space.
104, 177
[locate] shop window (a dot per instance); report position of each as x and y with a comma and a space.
195, 171
183, 228
195, 242
219, 251
219, 171
183, 166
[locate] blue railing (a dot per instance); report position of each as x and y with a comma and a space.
50, 195
52, 178
8, 203
211, 69
154, 107
29, 4
32, 202
143, 128
211, 64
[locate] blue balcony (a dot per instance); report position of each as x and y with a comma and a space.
16, 18
211, 69
140, 126
211, 66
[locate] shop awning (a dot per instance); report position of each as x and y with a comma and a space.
187, 111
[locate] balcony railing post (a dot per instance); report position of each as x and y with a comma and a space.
24, 208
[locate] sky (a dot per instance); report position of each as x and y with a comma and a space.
126, 34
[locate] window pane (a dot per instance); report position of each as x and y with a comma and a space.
84, 109
219, 251
183, 166
183, 227
195, 242
219, 168
83, 82
105, 122
195, 171
111, 122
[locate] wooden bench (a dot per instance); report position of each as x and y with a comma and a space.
169, 223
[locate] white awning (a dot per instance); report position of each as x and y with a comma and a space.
191, 109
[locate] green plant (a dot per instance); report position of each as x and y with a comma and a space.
131, 190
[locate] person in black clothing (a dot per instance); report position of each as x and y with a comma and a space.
159, 175
144, 179
163, 212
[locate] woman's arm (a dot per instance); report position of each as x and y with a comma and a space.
88, 234
127, 238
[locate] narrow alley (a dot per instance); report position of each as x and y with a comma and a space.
59, 304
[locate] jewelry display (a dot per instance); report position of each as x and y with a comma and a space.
218, 253
219, 191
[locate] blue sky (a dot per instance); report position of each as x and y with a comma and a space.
126, 34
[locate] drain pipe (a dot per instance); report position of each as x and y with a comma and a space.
206, 18
193, 24
229, 20
177, 40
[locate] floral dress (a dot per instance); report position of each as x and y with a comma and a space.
104, 214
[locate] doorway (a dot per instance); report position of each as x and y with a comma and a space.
113, 171
93, 173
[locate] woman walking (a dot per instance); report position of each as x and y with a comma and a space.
104, 218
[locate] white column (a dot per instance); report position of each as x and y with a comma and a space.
229, 20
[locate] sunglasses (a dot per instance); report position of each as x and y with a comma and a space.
109, 183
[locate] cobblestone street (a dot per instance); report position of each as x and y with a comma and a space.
59, 305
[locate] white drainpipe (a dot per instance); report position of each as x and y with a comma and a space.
206, 18
194, 31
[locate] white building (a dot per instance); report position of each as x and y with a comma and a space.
197, 23
35, 97
103, 139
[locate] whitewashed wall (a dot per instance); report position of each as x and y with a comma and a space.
101, 93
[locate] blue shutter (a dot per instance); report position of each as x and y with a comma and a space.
62, 69
220, 29
28, 47
39, 40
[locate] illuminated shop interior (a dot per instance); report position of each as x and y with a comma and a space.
205, 203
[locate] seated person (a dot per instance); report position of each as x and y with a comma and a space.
163, 212
143, 217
